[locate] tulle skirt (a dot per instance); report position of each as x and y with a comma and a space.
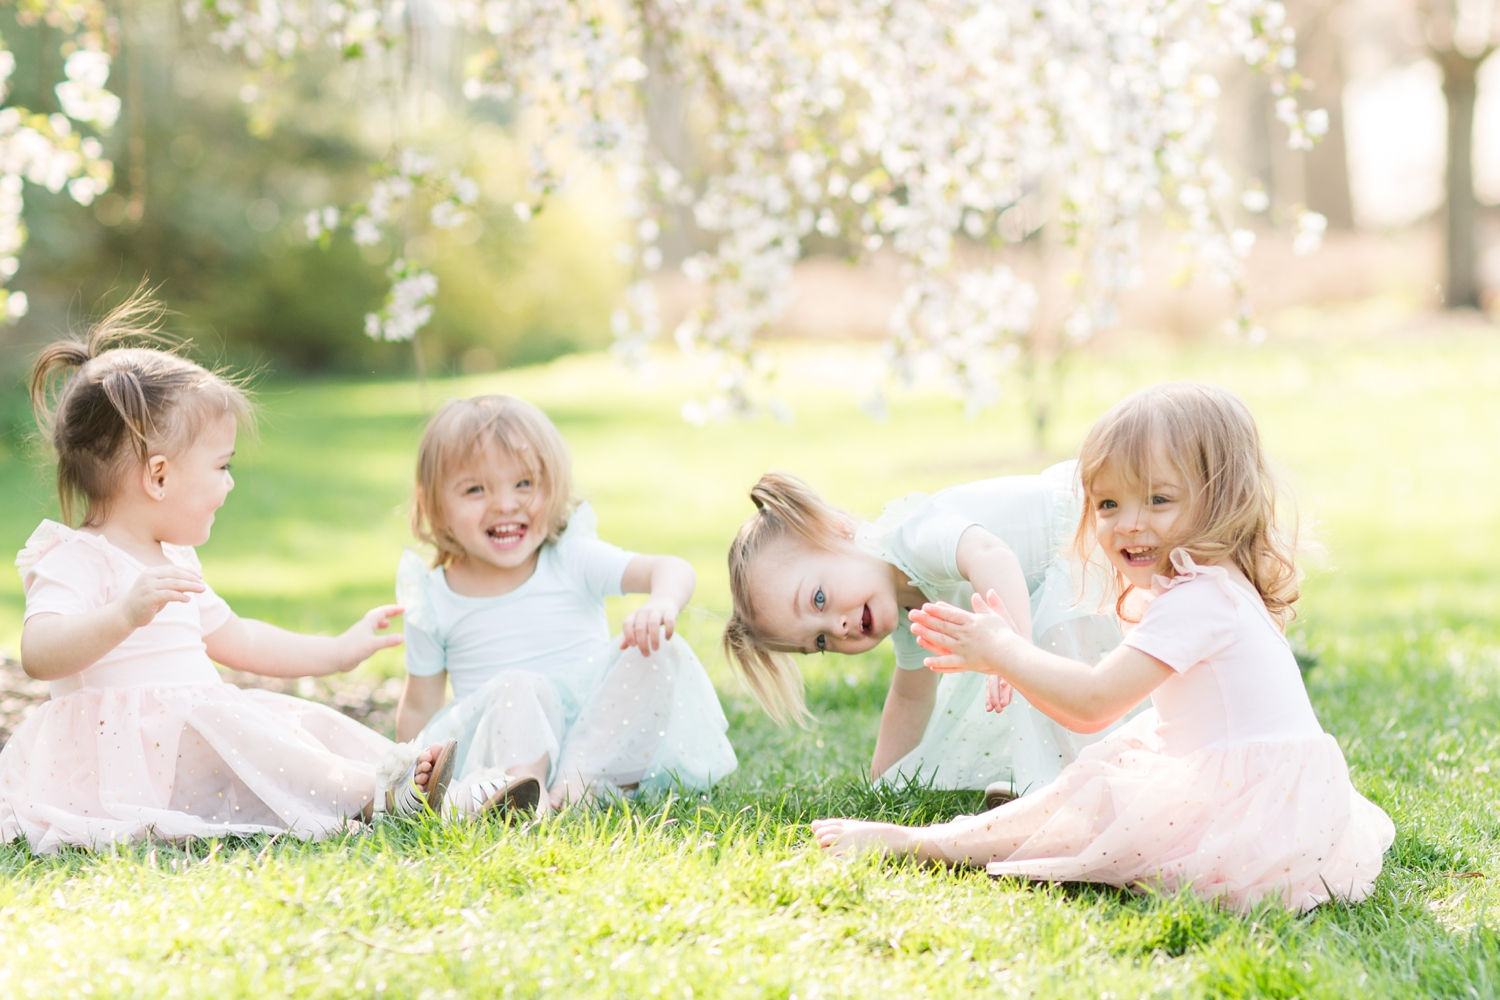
650, 721
1260, 820
111, 764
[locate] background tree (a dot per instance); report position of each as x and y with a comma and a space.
1008, 154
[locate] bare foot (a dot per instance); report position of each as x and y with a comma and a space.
855, 836
424, 764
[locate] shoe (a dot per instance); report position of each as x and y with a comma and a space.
516, 797
407, 798
997, 794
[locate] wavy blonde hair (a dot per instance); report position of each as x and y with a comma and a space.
454, 437
1207, 436
785, 507
106, 403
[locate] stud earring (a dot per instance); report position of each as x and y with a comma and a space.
162, 495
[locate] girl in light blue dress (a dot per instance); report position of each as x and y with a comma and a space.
807, 577
512, 613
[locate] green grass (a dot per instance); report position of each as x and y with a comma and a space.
1389, 446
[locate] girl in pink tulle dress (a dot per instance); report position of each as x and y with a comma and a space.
141, 736
1228, 786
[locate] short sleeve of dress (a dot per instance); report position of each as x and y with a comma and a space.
426, 655
594, 566
1192, 621
213, 611
70, 579
919, 536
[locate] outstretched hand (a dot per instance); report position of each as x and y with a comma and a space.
965, 640
364, 638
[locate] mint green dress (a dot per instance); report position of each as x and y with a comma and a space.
965, 746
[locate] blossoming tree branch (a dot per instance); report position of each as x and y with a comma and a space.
920, 127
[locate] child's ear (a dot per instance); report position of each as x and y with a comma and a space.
155, 474
847, 528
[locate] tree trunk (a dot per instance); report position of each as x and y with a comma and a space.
1326, 166
1460, 73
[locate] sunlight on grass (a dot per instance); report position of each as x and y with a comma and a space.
1387, 445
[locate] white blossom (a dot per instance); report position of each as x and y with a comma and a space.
408, 305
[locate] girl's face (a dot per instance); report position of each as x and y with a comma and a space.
192, 486
841, 600
489, 507
1134, 521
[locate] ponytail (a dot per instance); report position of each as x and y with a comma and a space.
784, 506
105, 406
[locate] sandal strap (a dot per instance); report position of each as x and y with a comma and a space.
396, 788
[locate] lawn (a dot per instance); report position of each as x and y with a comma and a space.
1387, 444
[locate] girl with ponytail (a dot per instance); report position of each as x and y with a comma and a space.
141, 736
806, 578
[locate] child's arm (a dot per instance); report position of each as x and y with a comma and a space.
670, 582
990, 565
420, 700
1083, 698
259, 648
54, 646
908, 706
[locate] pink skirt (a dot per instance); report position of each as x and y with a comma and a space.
111, 764
1276, 819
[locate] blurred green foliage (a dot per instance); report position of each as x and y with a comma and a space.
208, 203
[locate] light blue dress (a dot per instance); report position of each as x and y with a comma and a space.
965, 746
535, 672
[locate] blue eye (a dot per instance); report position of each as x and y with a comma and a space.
1107, 505
524, 484
1159, 499
821, 642
474, 489
818, 601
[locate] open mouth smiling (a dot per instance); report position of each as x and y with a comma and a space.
508, 535
1139, 555
866, 621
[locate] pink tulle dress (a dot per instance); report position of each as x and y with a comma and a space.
1228, 785
150, 741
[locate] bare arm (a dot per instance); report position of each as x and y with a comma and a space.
989, 564
54, 646
670, 581
1084, 698
260, 648
420, 700
908, 706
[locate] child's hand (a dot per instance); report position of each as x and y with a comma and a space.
964, 640
997, 692
155, 588
363, 638
644, 625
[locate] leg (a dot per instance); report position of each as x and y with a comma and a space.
968, 840
517, 736
853, 836
619, 732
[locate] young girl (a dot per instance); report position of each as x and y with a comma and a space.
1229, 786
512, 613
141, 737
806, 578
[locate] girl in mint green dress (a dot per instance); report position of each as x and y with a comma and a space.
808, 578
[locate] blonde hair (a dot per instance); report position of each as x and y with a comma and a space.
785, 507
1207, 436
457, 432
105, 406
